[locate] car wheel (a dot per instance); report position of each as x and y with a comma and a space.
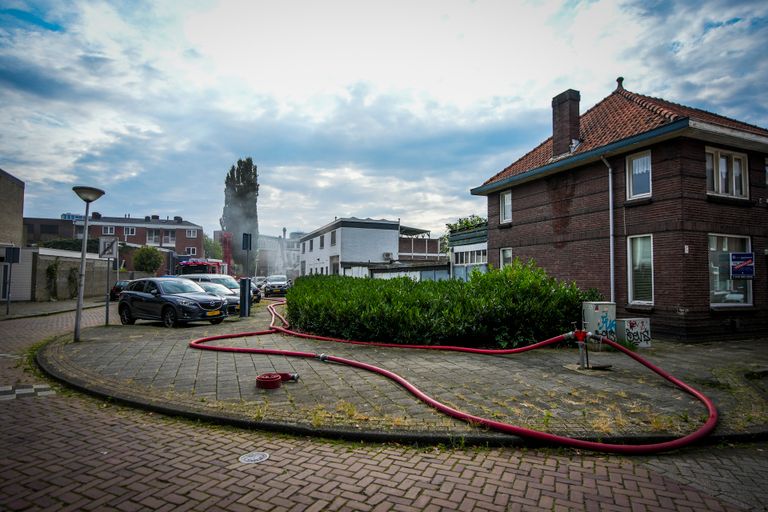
169, 317
125, 316
217, 321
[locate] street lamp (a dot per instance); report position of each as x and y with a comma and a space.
89, 195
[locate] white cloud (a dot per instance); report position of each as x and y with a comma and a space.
348, 108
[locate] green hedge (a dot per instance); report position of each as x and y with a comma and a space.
508, 307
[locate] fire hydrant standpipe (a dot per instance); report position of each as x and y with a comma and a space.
680, 442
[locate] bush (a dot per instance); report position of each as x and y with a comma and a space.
512, 306
147, 259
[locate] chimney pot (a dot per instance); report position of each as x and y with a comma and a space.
565, 121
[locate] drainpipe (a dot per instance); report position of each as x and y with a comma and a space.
610, 226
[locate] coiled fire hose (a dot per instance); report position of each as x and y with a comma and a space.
676, 443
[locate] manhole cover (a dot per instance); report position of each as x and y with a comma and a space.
254, 457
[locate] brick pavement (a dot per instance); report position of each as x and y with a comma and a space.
71, 452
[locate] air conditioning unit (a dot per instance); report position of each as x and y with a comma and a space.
387, 256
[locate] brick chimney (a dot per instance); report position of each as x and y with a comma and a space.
565, 121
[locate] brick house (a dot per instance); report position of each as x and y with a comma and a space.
169, 235
647, 201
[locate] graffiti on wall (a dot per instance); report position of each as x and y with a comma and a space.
607, 326
637, 331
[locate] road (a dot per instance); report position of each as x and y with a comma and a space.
61, 450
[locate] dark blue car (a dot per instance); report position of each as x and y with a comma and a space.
170, 300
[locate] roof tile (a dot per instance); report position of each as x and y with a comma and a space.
620, 115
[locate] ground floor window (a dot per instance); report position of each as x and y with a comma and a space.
506, 256
723, 290
191, 251
640, 269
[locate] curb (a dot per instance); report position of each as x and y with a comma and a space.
482, 439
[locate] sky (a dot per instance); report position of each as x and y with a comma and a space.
371, 109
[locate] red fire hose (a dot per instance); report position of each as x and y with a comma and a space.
680, 442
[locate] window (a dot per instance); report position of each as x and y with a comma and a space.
311, 244
640, 269
727, 173
506, 256
303, 247
322, 241
191, 251
107, 230
333, 233
505, 207
724, 291
639, 175
169, 236
153, 236
129, 231
191, 233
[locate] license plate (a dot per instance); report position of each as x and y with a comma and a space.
213, 313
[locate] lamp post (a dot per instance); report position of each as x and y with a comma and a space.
89, 195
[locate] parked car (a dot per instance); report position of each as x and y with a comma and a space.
223, 279
276, 285
259, 281
171, 300
114, 292
231, 296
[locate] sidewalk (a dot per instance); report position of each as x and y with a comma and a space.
150, 366
26, 309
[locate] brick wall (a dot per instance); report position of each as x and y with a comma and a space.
562, 223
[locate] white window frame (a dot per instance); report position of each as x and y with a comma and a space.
191, 233
190, 251
153, 236
630, 284
169, 236
129, 231
751, 293
630, 160
716, 178
505, 207
501, 256
107, 230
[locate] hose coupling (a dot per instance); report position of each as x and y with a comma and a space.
323, 357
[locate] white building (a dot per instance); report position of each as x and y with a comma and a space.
351, 246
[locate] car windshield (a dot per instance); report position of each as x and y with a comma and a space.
175, 286
218, 289
277, 279
227, 281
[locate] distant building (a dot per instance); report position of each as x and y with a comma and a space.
38, 230
11, 210
352, 247
468, 252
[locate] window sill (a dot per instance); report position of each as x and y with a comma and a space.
733, 201
505, 225
639, 308
640, 201
724, 309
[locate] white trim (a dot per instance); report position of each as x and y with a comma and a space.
730, 132
628, 174
630, 299
718, 305
502, 195
501, 255
716, 152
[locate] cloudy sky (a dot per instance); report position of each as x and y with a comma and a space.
382, 109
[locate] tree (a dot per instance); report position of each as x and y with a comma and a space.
212, 248
240, 214
147, 259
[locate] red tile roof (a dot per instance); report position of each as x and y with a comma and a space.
620, 115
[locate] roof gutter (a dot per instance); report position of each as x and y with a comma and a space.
661, 133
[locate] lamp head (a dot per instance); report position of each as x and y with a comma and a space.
88, 194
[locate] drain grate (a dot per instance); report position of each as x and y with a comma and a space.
254, 458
